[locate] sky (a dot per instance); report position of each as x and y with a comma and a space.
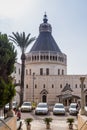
68, 19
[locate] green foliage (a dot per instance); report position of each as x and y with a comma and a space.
7, 56
21, 40
28, 120
70, 120
7, 91
34, 104
7, 60
47, 120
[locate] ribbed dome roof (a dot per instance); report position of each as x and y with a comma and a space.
45, 41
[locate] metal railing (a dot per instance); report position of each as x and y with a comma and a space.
5, 124
85, 123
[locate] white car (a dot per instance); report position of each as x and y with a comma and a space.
42, 108
59, 109
72, 109
26, 106
14, 105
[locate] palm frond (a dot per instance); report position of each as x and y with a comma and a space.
21, 40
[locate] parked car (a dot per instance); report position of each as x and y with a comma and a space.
1, 114
72, 109
14, 105
26, 106
42, 108
59, 109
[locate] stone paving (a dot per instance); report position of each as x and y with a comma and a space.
40, 125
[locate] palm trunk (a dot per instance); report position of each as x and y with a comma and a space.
22, 78
10, 105
10, 113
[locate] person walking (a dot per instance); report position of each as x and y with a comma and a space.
19, 114
77, 108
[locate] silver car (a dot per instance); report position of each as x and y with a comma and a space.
42, 108
59, 109
26, 106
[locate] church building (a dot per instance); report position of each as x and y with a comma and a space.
46, 78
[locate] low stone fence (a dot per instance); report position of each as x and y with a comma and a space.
11, 123
82, 122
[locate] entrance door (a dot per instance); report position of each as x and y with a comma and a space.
44, 98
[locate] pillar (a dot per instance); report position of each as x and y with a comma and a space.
82, 95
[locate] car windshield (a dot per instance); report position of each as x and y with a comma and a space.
14, 103
73, 106
42, 105
59, 106
27, 104
7, 104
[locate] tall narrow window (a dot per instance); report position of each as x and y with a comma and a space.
26, 85
26, 72
62, 72
29, 71
84, 86
35, 85
19, 71
52, 86
60, 85
41, 71
43, 85
75, 85
47, 71
15, 70
58, 71
19, 81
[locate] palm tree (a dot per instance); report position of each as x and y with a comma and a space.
23, 42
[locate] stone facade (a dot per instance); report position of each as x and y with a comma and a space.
17, 80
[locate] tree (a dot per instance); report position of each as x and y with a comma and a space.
23, 42
7, 60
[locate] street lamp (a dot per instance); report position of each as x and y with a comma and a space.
33, 85
82, 95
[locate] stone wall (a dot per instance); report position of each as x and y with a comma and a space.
11, 122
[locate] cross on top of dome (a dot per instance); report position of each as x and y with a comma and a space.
45, 18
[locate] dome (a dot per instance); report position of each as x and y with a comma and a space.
45, 40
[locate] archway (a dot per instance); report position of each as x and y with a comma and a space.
44, 95
44, 98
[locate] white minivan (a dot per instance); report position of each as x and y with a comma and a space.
72, 109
